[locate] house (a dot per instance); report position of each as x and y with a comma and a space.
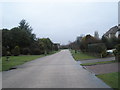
113, 32
56, 46
118, 33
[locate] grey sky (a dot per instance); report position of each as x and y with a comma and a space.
62, 22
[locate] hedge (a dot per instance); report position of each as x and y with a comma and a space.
98, 48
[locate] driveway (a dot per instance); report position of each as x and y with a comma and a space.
98, 60
59, 70
103, 68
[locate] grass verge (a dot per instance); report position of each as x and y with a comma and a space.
18, 60
96, 63
111, 79
81, 56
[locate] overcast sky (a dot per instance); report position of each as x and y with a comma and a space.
61, 22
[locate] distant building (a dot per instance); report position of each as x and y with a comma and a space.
56, 46
113, 32
79, 38
96, 35
118, 33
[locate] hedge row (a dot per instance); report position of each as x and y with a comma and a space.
98, 48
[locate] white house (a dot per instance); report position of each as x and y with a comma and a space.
113, 32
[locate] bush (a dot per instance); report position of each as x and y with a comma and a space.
36, 51
8, 53
0, 50
16, 51
26, 51
4, 51
118, 47
86, 41
117, 53
104, 54
98, 48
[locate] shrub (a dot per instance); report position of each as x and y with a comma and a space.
26, 51
0, 50
98, 48
86, 41
118, 47
4, 51
36, 51
16, 51
8, 53
104, 54
117, 52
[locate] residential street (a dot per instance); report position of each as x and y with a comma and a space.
59, 70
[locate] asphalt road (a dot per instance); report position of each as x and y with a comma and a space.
59, 70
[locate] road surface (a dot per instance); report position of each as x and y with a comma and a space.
59, 70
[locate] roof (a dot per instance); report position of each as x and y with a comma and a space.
113, 30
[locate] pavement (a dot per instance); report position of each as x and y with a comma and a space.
103, 68
97, 60
59, 70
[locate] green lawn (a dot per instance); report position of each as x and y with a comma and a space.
104, 62
18, 60
111, 79
80, 56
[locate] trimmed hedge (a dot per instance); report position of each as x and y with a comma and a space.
98, 48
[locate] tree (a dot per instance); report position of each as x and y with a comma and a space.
45, 44
26, 51
6, 37
0, 49
105, 41
117, 53
27, 28
110, 42
88, 39
16, 51
78, 42
4, 51
23, 37
113, 42
19, 37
